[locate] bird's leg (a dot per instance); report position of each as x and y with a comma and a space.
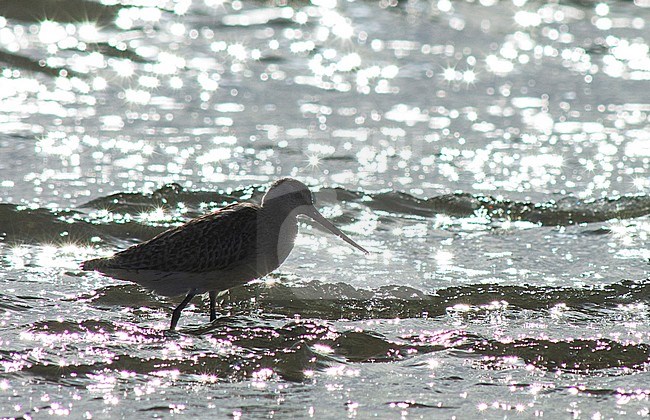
177, 312
213, 306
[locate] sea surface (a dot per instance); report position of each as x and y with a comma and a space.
493, 156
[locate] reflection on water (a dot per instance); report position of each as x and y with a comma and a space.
453, 98
493, 155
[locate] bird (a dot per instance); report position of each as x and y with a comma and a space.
217, 251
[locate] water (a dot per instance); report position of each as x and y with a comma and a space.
493, 156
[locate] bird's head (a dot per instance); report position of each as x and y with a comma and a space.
292, 195
289, 192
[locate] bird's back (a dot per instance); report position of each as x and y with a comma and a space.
215, 242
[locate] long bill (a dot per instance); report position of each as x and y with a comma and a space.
315, 214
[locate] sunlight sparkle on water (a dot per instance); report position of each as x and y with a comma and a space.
123, 68
88, 32
18, 256
349, 62
469, 77
450, 74
366, 224
641, 183
51, 32
444, 259
128, 17
527, 19
237, 51
341, 27
341, 370
137, 96
99, 83
168, 63
149, 82
498, 65
313, 160
322, 348
157, 215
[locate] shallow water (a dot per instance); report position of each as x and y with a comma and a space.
493, 156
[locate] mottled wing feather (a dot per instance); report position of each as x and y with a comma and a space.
216, 241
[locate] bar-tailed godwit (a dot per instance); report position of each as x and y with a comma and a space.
217, 251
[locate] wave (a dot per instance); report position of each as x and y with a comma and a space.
335, 301
118, 217
566, 211
23, 225
291, 349
293, 352
37, 11
297, 329
63, 12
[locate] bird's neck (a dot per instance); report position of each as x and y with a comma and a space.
278, 227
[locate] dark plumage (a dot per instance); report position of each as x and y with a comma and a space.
217, 251
211, 242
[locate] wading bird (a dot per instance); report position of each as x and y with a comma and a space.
217, 251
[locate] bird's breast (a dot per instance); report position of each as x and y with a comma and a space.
286, 239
